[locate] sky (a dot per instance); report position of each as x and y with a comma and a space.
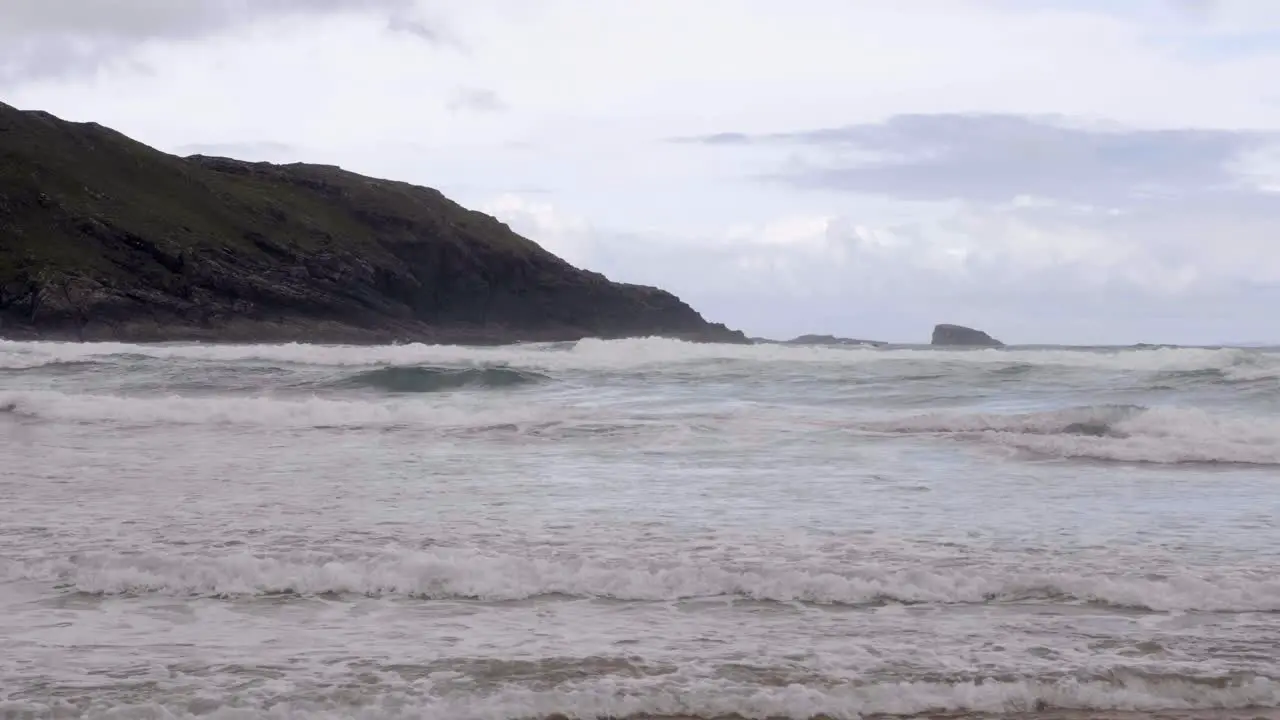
1051, 171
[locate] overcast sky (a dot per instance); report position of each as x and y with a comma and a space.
1078, 171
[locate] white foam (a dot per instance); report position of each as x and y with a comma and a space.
14, 361
593, 354
266, 411
456, 573
1157, 435
452, 416
683, 695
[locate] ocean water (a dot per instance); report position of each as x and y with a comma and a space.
638, 529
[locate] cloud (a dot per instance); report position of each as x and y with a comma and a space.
567, 235
43, 40
478, 100
997, 157
1035, 270
433, 32
1050, 213
147, 19
1227, 16
1197, 10
29, 59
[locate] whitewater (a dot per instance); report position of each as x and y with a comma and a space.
638, 529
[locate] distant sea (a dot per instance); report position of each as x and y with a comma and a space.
638, 529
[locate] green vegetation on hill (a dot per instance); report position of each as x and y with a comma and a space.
102, 236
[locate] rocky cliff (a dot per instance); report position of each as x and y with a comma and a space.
102, 237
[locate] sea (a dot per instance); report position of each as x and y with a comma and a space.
637, 529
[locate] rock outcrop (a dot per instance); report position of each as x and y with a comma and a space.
959, 335
102, 237
830, 340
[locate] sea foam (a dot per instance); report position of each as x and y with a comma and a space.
605, 355
445, 573
1165, 435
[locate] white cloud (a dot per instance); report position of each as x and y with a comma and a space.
1044, 273
476, 100
568, 236
42, 39
674, 67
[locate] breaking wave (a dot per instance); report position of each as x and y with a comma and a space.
1243, 373
426, 378
446, 573
457, 418
256, 411
609, 355
266, 411
1126, 433
687, 694
15, 365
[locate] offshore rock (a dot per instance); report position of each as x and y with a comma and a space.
831, 340
960, 335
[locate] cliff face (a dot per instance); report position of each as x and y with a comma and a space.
104, 237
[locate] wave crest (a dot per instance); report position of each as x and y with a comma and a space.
430, 378
1125, 433
624, 354
444, 573
686, 694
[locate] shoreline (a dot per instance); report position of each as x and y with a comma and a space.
324, 332
321, 333
1260, 713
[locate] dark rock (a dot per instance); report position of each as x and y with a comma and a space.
204, 248
830, 340
959, 335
